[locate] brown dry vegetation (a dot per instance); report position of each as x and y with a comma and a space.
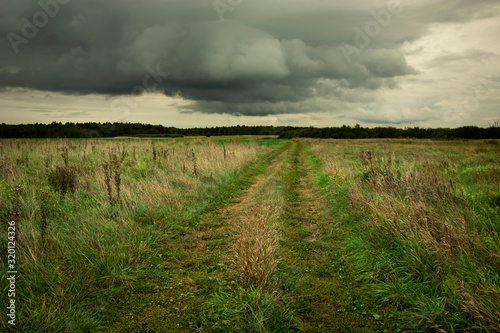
85, 211
418, 201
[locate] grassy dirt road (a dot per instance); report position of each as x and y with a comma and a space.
267, 260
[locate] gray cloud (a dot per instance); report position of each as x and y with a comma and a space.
461, 59
265, 56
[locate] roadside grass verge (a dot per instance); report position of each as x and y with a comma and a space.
82, 247
421, 225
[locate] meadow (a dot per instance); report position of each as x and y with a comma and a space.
252, 234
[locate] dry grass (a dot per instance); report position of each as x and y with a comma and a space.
414, 200
486, 315
73, 247
255, 230
255, 249
421, 204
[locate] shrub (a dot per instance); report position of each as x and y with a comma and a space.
63, 179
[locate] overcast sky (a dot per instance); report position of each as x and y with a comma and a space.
191, 63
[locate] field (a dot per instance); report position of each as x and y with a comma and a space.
243, 234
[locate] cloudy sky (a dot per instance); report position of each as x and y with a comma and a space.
188, 63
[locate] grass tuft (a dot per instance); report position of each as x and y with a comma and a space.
255, 250
63, 179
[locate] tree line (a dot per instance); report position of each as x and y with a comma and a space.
96, 130
107, 129
358, 132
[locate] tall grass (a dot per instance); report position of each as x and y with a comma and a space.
424, 233
77, 247
255, 249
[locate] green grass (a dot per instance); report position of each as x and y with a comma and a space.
250, 234
98, 250
426, 241
314, 269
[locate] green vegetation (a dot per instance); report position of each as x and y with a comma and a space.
252, 234
98, 130
421, 222
358, 132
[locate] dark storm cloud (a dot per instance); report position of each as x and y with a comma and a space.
262, 53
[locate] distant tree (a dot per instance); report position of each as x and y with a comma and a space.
495, 123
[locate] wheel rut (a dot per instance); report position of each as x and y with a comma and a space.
325, 293
194, 263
